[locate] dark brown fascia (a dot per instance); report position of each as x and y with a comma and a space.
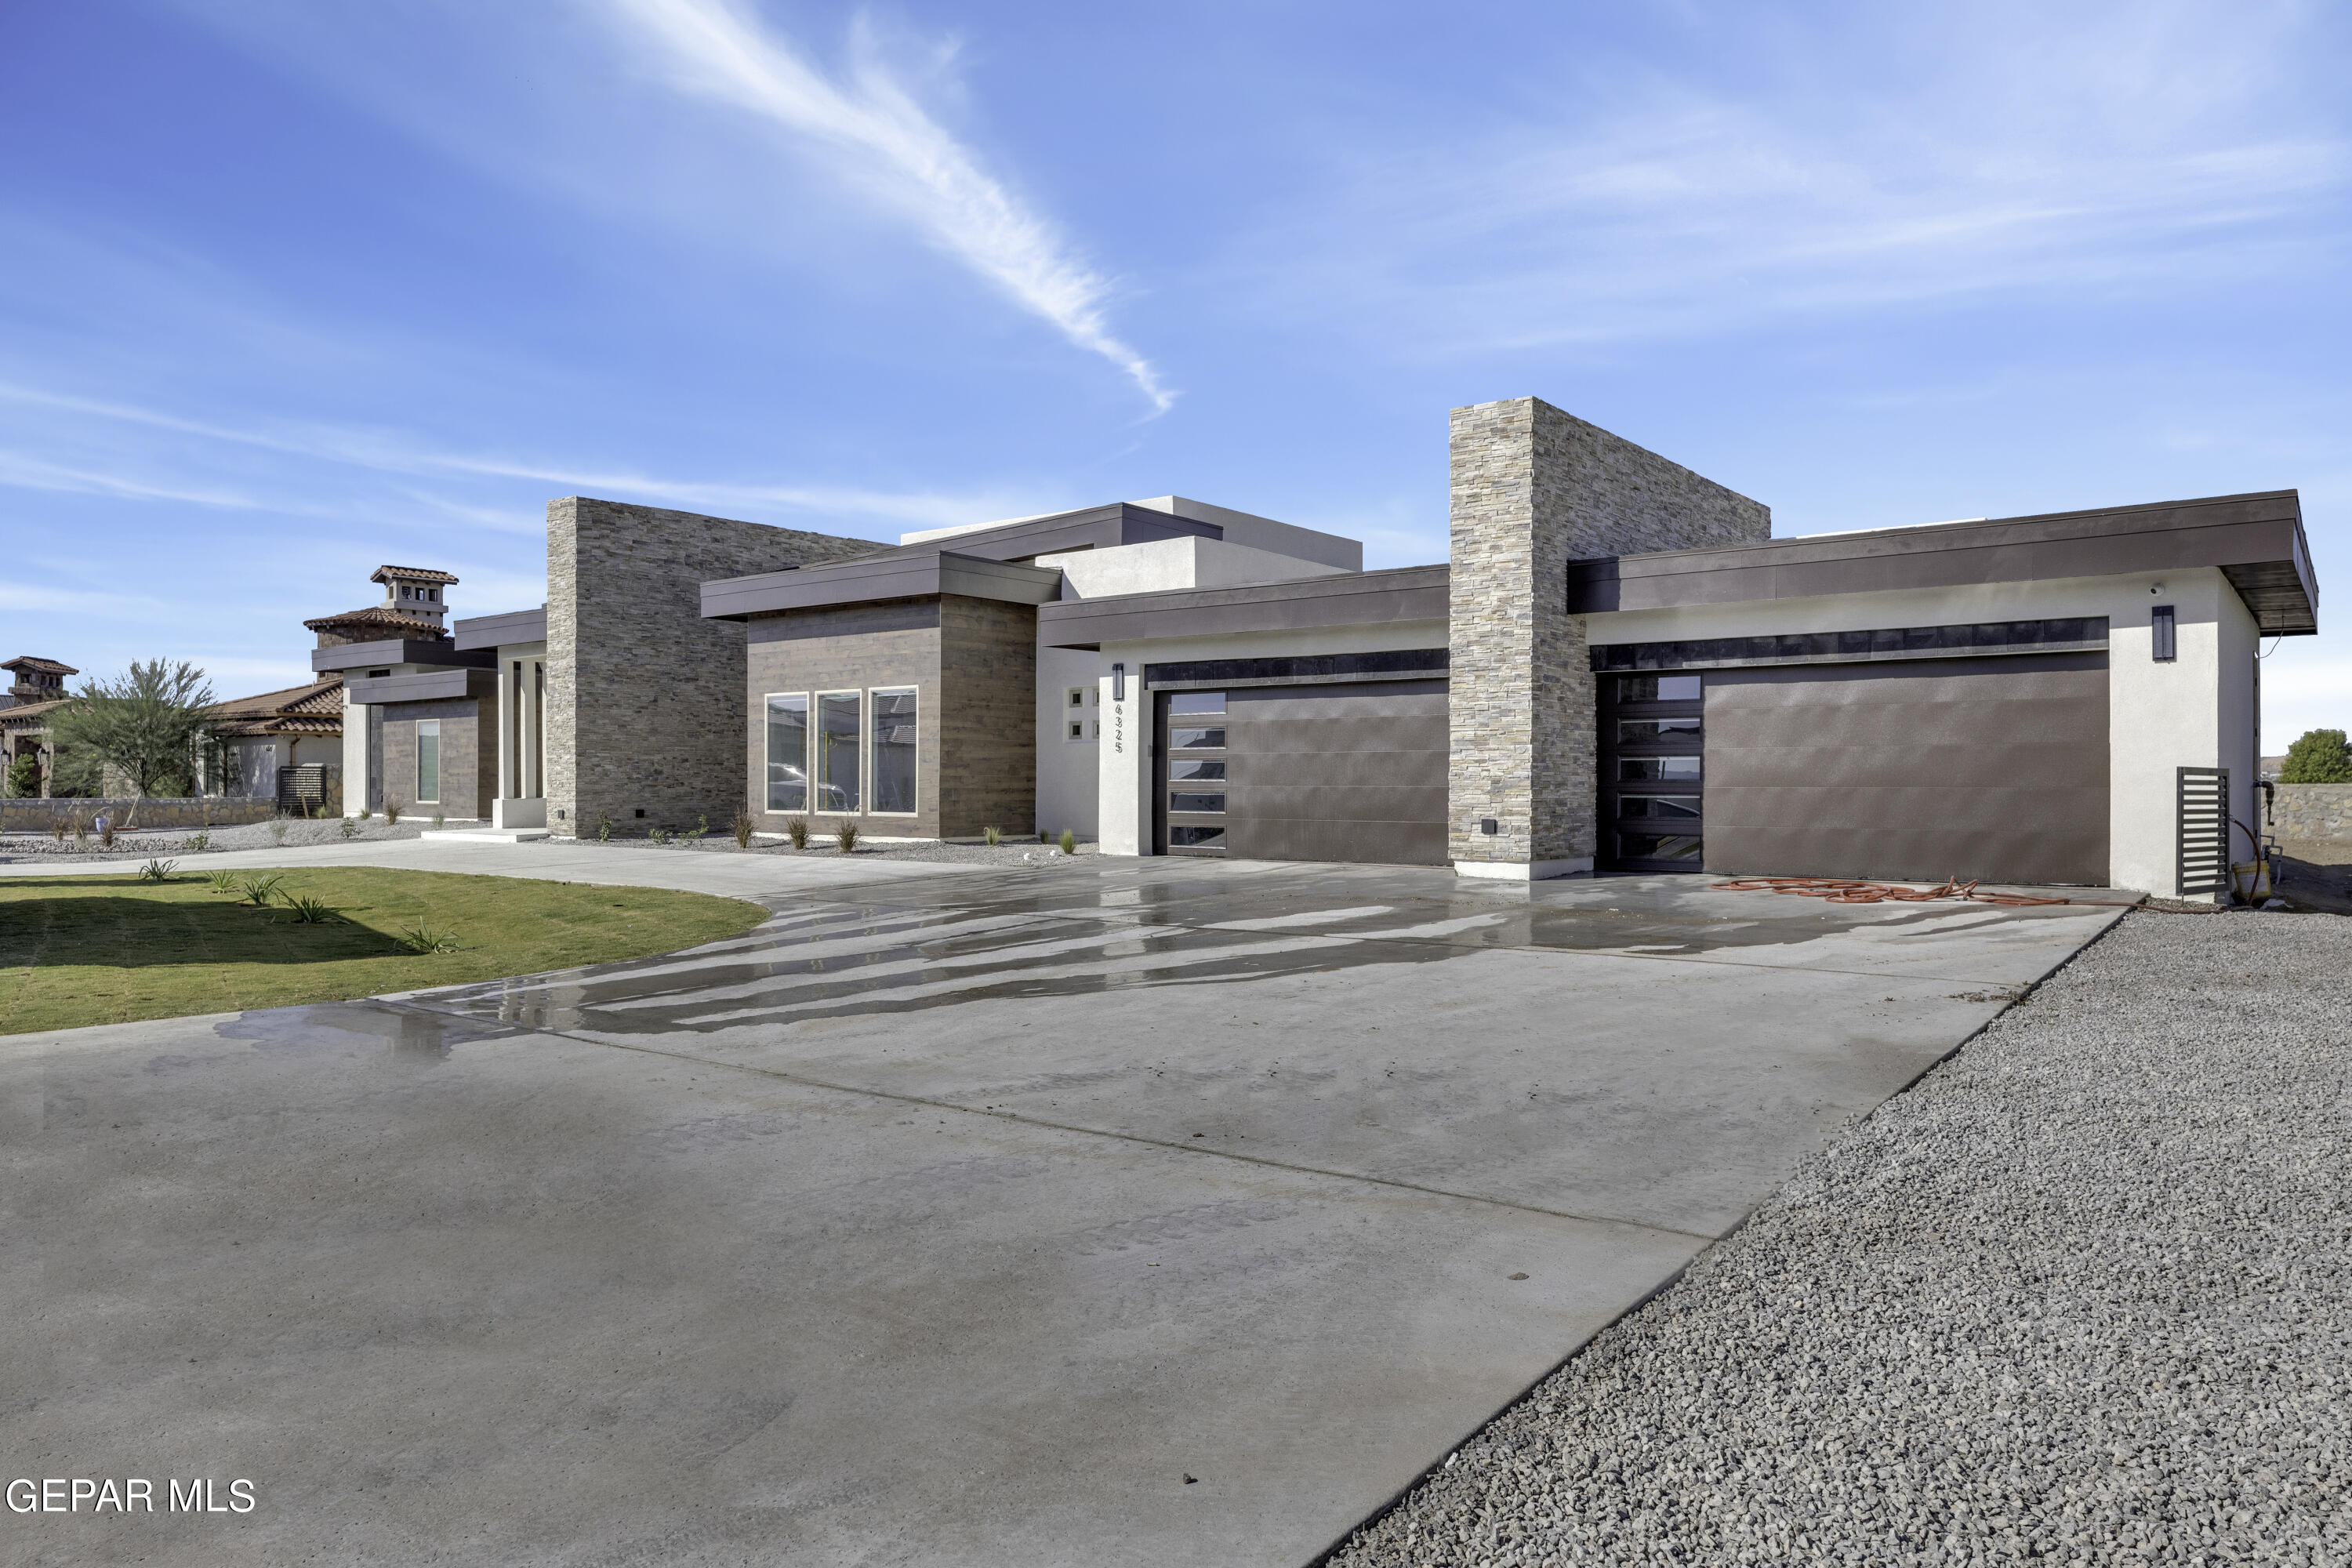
1344, 599
431, 686
359, 655
2255, 540
501, 630
920, 574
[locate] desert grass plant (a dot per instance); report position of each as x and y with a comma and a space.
991, 836
106, 832
57, 827
798, 830
745, 825
278, 830
1068, 842
301, 908
158, 870
197, 842
603, 827
391, 810
365, 813
1043, 836
846, 835
438, 819
221, 881
422, 936
258, 891
701, 827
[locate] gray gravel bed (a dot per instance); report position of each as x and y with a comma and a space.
173, 842
2085, 1293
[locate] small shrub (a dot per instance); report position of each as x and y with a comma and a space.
258, 891
303, 909
158, 870
198, 842
351, 828
221, 881
658, 835
438, 819
992, 837
2321, 756
603, 827
1043, 836
57, 826
701, 825
278, 830
846, 837
1069, 841
365, 813
745, 825
424, 937
391, 810
798, 828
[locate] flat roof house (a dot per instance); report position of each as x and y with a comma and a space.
1618, 670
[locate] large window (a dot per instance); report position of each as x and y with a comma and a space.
894, 749
428, 760
837, 751
788, 745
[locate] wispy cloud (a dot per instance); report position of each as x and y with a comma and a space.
389, 452
2120, 152
896, 153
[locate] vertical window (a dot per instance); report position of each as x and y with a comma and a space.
894, 749
836, 751
429, 759
2161, 641
788, 739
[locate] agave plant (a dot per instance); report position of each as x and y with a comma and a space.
424, 937
303, 909
221, 881
158, 870
259, 890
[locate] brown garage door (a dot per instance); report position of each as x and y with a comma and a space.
1989, 768
1353, 771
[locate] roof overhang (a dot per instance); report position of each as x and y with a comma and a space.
901, 575
430, 686
502, 631
1352, 599
2256, 541
359, 655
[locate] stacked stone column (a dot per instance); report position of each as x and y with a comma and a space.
1534, 489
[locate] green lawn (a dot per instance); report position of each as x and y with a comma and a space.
106, 950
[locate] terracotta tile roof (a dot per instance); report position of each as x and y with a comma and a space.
316, 708
375, 617
412, 573
26, 663
27, 712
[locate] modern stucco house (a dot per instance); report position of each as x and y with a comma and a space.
1618, 669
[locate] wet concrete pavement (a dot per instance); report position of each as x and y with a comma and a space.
1123, 1212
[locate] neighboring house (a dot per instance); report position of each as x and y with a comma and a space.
1619, 670
259, 742
36, 689
614, 701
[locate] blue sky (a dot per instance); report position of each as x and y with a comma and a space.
289, 289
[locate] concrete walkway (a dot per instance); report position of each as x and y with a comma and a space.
1122, 1211
761, 878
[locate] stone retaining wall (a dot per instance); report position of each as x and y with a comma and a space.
40, 816
2313, 811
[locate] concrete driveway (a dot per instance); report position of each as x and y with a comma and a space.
1119, 1212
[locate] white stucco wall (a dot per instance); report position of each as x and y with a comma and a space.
1124, 757
1164, 563
1067, 771
2196, 712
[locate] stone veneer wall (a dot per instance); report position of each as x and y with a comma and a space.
470, 756
642, 694
2313, 811
1534, 489
848, 648
988, 683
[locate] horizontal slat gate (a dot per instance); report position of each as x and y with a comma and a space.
2204, 827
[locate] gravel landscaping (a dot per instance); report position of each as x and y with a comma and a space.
142, 844
2084, 1293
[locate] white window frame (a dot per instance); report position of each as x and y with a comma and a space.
767, 761
817, 751
872, 731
